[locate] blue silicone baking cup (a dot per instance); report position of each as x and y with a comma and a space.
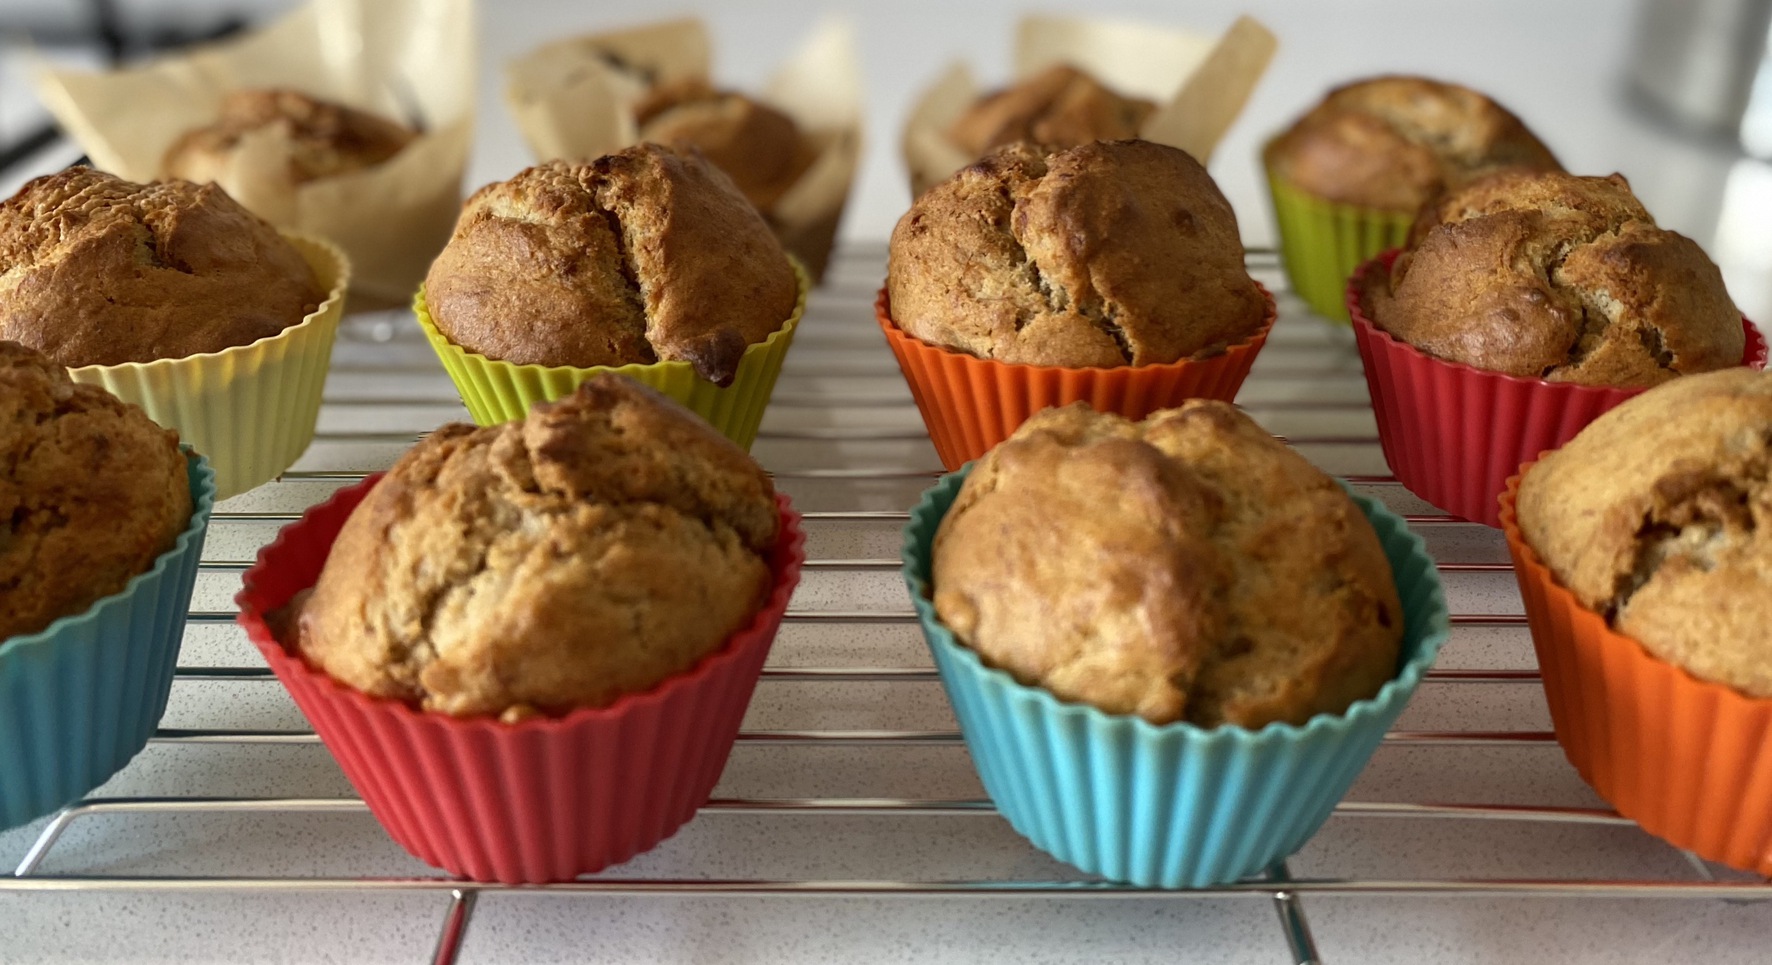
80, 697
1173, 805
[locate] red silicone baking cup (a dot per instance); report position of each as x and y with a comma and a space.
1451, 433
1688, 759
546, 799
970, 404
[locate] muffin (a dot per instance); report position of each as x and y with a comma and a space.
1348, 176
1187, 567
1107, 254
1171, 645
640, 256
96, 270
760, 148
94, 491
530, 646
1059, 107
604, 543
1553, 276
314, 138
1642, 552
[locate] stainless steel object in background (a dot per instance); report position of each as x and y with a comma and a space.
1705, 64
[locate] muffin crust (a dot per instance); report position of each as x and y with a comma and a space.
1187, 567
757, 146
1058, 107
324, 139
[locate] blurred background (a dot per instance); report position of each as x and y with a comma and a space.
1668, 92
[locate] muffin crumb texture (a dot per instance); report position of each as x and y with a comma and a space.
1659, 516
1109, 254
1187, 567
606, 542
92, 492
318, 139
1549, 275
639, 256
1058, 107
96, 270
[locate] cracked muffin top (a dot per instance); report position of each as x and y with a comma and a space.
1187, 567
91, 492
643, 255
757, 146
1395, 142
604, 543
1549, 275
319, 139
1058, 107
96, 270
1658, 516
1112, 253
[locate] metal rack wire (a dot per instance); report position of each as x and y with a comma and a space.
837, 342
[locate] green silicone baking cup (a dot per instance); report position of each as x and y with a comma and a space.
1322, 242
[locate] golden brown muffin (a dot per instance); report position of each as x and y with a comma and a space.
638, 256
91, 492
323, 139
96, 270
1058, 107
759, 147
1112, 253
1542, 274
1659, 516
1395, 142
606, 542
1187, 567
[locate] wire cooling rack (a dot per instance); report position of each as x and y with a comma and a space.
843, 438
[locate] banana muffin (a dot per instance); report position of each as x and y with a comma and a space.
608, 541
1395, 142
317, 138
757, 146
1187, 567
91, 491
96, 270
1111, 253
1659, 517
1058, 107
1542, 274
639, 256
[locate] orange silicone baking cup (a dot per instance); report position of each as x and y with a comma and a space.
970, 404
1687, 759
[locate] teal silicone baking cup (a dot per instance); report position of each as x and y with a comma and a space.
1176, 805
80, 697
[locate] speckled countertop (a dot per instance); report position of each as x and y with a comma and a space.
1556, 63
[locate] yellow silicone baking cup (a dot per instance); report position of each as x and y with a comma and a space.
496, 391
1322, 242
250, 408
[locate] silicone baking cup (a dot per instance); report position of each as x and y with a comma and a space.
250, 408
496, 391
1171, 806
970, 404
1322, 242
1451, 433
545, 799
80, 697
1687, 759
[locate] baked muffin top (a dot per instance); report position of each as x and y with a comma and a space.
324, 139
759, 147
1542, 274
1056, 108
1187, 567
1658, 516
604, 543
91, 492
1111, 253
639, 256
1395, 142
96, 270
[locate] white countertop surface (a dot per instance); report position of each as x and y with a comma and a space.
1557, 64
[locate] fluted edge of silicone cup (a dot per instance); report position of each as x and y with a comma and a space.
81, 697
1176, 805
1322, 242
